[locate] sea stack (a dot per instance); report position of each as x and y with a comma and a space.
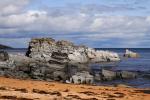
48, 49
131, 54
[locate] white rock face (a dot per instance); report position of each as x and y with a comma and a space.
82, 78
97, 56
131, 54
47, 49
78, 57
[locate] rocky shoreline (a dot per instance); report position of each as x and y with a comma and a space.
63, 61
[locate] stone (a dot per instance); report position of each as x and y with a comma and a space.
131, 54
128, 75
108, 75
97, 77
89, 79
4, 56
102, 56
59, 76
82, 78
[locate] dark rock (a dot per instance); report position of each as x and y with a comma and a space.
128, 75
108, 75
4, 56
54, 61
73, 68
4, 47
59, 55
59, 76
146, 76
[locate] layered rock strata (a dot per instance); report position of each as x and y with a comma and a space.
48, 49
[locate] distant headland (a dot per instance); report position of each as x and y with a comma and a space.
5, 47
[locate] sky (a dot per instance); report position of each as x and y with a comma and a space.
95, 23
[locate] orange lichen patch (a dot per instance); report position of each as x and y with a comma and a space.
39, 90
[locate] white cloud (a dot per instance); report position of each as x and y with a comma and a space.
14, 19
12, 6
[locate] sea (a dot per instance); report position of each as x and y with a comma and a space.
140, 65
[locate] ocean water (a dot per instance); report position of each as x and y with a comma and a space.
140, 65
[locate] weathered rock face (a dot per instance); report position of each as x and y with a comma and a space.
4, 56
82, 78
131, 54
22, 67
128, 75
48, 49
108, 75
99, 55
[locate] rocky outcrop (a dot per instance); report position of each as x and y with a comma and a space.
108, 75
127, 75
131, 54
48, 49
99, 55
22, 67
5, 47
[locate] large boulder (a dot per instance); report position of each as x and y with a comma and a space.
102, 56
48, 49
128, 75
4, 56
108, 75
131, 54
82, 78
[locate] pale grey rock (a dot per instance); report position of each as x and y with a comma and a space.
82, 78
65, 51
102, 56
77, 57
131, 54
108, 75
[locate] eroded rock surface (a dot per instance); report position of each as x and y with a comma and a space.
83, 77
131, 54
48, 49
